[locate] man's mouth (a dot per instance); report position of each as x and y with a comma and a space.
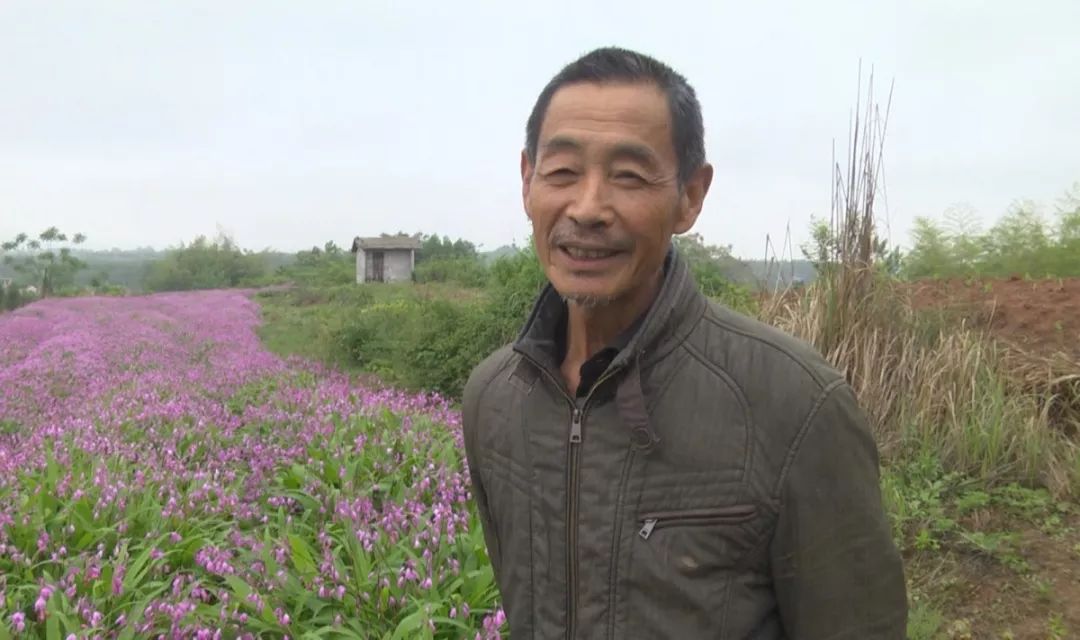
588, 253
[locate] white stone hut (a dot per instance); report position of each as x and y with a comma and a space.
385, 259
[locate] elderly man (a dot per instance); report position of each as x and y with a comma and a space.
647, 463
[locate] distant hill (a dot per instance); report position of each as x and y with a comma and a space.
770, 274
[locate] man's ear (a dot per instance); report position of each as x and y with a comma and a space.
526, 179
693, 198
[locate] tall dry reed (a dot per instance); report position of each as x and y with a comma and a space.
925, 384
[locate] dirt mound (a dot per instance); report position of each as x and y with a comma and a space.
1039, 316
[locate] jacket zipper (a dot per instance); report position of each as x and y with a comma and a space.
577, 416
694, 517
571, 524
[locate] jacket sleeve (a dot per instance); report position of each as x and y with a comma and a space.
837, 572
470, 423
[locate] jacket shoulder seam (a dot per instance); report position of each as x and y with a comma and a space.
815, 376
800, 436
740, 393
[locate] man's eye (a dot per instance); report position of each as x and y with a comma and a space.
561, 174
629, 177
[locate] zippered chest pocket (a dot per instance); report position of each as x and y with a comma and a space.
695, 542
694, 517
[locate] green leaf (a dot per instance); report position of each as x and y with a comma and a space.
52, 628
138, 568
450, 621
301, 554
4, 633
408, 625
238, 586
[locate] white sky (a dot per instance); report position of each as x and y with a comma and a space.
290, 124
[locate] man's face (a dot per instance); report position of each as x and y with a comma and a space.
603, 196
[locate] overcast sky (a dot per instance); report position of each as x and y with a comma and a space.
289, 124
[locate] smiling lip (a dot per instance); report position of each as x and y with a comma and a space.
586, 256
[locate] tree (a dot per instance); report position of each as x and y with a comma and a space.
10, 297
203, 264
930, 255
329, 265
435, 248
1018, 243
718, 274
46, 260
966, 247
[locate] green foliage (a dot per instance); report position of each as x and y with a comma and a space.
12, 297
516, 280
1022, 243
47, 260
930, 508
444, 260
718, 274
824, 248
432, 342
435, 248
924, 622
467, 271
329, 266
220, 264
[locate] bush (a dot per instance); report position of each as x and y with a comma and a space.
464, 271
431, 340
205, 265
12, 297
325, 267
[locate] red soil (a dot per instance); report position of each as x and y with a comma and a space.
1040, 316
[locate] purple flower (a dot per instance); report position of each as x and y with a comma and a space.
173, 399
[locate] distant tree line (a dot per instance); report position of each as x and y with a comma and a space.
206, 264
1022, 243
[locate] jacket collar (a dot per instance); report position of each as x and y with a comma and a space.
675, 310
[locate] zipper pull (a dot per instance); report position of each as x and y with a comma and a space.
646, 530
575, 427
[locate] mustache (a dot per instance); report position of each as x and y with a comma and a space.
575, 235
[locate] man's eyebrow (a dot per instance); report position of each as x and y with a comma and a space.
634, 151
562, 143
622, 150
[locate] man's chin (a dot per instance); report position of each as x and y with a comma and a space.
588, 302
587, 298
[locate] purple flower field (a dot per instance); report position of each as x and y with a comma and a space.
164, 475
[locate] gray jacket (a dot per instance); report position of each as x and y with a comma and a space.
719, 481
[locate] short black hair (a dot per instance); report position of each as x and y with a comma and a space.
615, 64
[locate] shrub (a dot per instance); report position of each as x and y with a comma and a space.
207, 265
463, 270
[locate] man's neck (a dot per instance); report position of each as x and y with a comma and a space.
588, 330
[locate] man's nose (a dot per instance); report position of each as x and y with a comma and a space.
591, 204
